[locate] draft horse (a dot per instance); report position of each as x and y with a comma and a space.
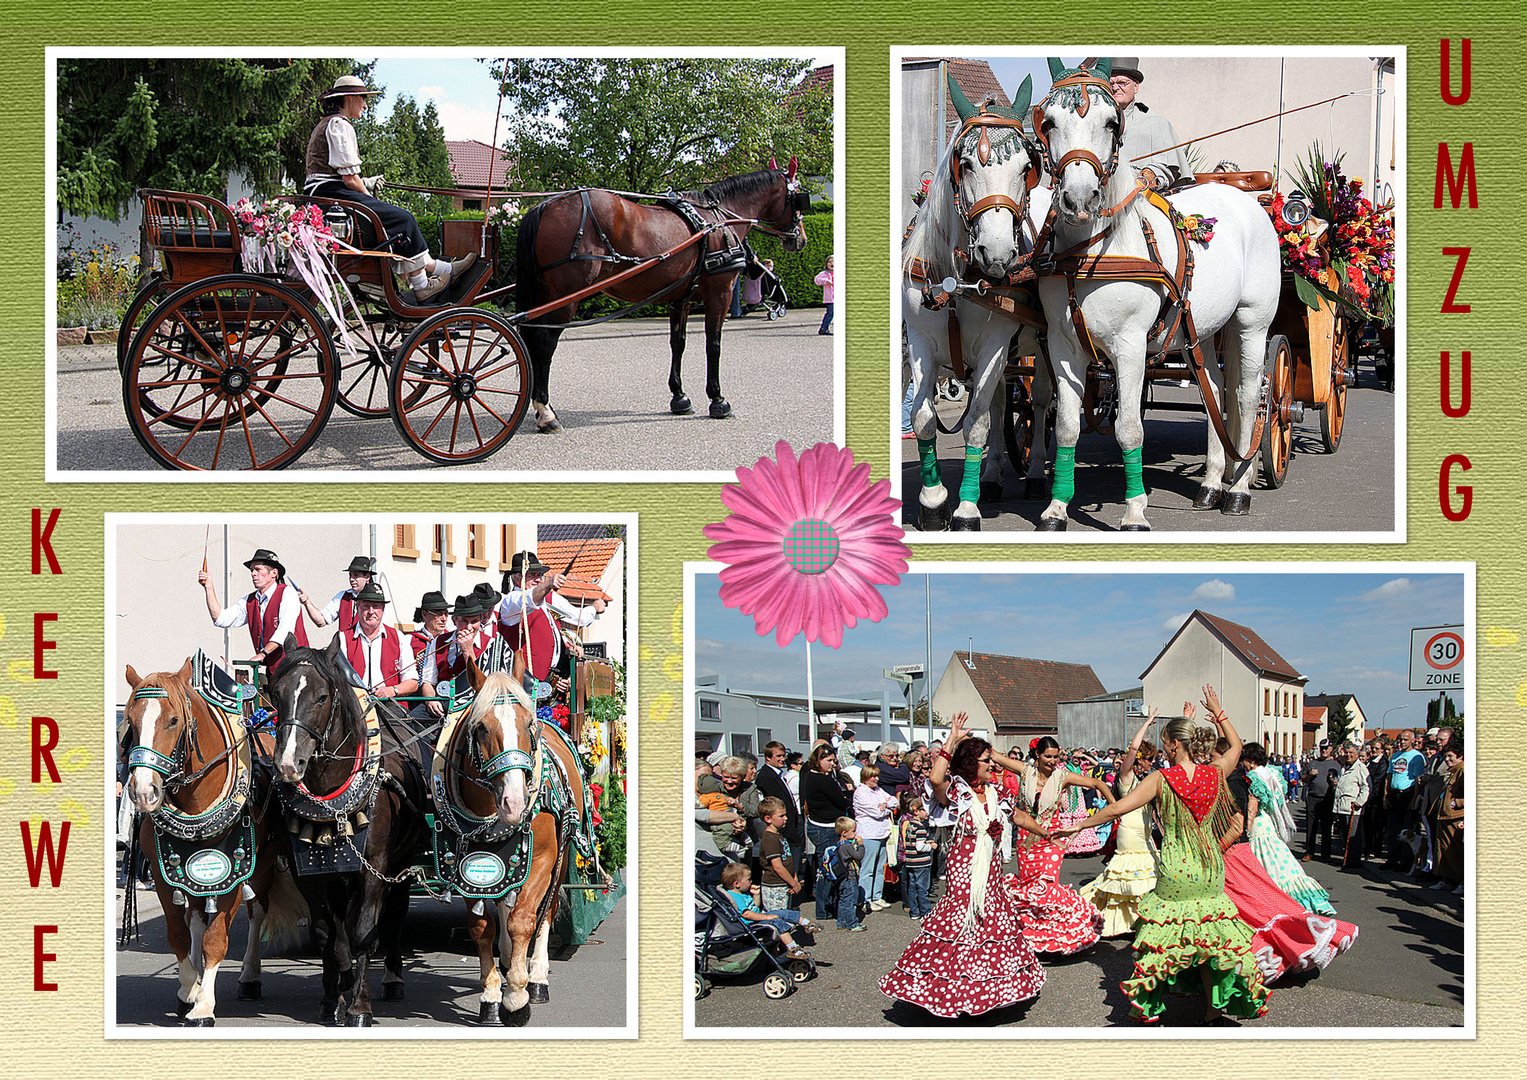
342, 770
504, 771
978, 227
203, 800
1108, 292
574, 240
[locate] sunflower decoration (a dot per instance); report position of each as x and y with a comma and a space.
807, 543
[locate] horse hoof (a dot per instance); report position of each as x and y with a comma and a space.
203, 1021
991, 491
720, 409
965, 524
681, 405
1236, 504
328, 1013
392, 991
181, 1008
487, 1012
249, 991
1208, 498
1035, 487
518, 1018
1051, 525
359, 1020
549, 427
935, 518
1134, 528
540, 993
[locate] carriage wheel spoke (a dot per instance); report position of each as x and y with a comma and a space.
167, 352
273, 396
514, 362
175, 408
254, 460
489, 409
439, 416
455, 424
473, 419
192, 433
273, 425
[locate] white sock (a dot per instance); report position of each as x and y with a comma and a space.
443, 269
418, 279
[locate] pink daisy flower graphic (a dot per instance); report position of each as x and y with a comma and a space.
806, 543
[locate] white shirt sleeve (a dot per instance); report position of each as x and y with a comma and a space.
570, 614
286, 618
407, 669
429, 669
233, 615
330, 610
509, 607
344, 153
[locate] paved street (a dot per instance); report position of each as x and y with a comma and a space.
609, 386
440, 968
1404, 971
1352, 490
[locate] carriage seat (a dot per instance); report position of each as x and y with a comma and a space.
196, 239
1259, 183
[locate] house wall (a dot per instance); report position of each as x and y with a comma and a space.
1198, 658
956, 693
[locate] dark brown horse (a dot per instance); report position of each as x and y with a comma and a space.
188, 761
579, 238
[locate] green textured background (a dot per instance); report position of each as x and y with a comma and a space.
60, 1033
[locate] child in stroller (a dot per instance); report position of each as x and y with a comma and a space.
761, 287
726, 943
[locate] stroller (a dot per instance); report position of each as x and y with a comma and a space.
725, 944
774, 298
770, 290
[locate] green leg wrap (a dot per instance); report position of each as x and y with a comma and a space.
1064, 486
970, 485
927, 454
1134, 482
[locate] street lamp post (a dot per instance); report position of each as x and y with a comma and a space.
1384, 720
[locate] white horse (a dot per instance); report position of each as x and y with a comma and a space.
1235, 287
976, 204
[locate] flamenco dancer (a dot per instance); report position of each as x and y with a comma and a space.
1190, 940
1131, 873
1270, 828
1054, 918
1284, 936
971, 956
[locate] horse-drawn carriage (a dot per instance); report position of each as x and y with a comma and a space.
235, 352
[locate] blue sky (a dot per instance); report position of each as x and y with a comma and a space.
1349, 632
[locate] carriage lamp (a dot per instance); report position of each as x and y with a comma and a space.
338, 221
1296, 208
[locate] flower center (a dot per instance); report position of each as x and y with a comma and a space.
811, 546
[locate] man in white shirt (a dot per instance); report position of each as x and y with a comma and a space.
341, 608
379, 658
271, 612
530, 609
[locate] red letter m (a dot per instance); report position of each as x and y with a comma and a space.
1455, 181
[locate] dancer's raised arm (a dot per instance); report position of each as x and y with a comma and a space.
1142, 794
1227, 761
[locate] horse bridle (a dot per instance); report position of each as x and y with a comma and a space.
797, 202
173, 766
983, 121
511, 759
1082, 81
318, 738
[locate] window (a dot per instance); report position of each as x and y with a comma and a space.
710, 709
403, 542
477, 547
765, 736
742, 744
1266, 701
471, 204
508, 543
440, 540
803, 733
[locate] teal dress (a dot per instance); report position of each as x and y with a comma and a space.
1271, 851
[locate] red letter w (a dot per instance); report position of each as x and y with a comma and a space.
45, 850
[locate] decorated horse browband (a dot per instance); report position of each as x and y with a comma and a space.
507, 761
146, 756
1072, 91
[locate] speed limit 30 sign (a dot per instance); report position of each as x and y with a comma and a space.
1436, 658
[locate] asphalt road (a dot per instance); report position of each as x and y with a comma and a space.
440, 969
1352, 490
1404, 971
609, 387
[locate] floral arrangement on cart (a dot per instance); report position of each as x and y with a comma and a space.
603, 748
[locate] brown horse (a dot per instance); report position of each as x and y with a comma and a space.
189, 762
501, 763
575, 240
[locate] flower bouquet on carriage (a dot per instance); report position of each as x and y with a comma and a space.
603, 750
1344, 251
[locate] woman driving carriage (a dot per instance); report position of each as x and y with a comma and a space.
333, 166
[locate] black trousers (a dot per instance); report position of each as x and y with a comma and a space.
395, 219
1317, 824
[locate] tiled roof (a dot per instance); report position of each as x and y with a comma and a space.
588, 558
1251, 648
817, 77
1314, 716
975, 78
1021, 693
469, 164
569, 532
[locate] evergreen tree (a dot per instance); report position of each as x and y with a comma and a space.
1339, 720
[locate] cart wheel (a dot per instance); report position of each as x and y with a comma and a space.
1278, 432
1334, 414
150, 296
232, 372
1018, 426
701, 987
363, 377
800, 970
776, 986
952, 389
460, 385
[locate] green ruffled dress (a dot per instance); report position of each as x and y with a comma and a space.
1187, 921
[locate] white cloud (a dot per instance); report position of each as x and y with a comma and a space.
436, 93
1214, 590
1390, 590
1173, 623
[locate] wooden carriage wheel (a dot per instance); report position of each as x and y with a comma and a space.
1278, 432
1334, 415
232, 372
1018, 424
460, 385
1100, 398
363, 378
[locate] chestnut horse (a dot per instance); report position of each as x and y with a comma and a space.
324, 756
190, 766
501, 763
576, 239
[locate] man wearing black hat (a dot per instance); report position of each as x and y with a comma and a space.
1146, 132
528, 613
271, 612
380, 659
454, 647
342, 606
431, 615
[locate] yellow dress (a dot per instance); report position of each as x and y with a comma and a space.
1129, 875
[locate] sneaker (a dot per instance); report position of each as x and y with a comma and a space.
463, 263
857, 929
878, 905
909, 435
436, 284
1458, 891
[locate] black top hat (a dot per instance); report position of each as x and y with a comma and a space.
487, 596
361, 564
524, 562
1128, 66
371, 593
433, 601
268, 557
468, 606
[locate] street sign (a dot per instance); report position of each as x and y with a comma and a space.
1436, 658
906, 669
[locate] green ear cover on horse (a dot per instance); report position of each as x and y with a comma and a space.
1024, 95
962, 103
1057, 67
1134, 479
1063, 488
1104, 68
